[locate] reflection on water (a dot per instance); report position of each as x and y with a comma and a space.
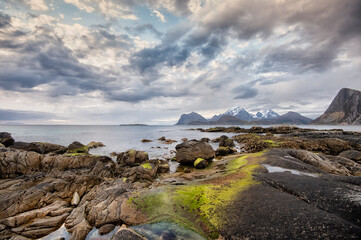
166, 230
58, 234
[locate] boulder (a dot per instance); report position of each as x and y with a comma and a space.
200, 163
126, 233
224, 141
132, 158
6, 139
93, 144
189, 151
105, 229
77, 147
352, 155
146, 140
336, 145
146, 171
223, 151
39, 147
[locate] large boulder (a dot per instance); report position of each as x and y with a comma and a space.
132, 158
145, 172
189, 151
77, 147
93, 144
224, 141
6, 139
352, 155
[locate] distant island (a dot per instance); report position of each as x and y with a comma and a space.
133, 124
345, 109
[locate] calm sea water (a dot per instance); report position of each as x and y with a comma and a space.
121, 138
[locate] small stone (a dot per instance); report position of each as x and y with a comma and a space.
76, 199
105, 229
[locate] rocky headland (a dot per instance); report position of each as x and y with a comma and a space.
263, 183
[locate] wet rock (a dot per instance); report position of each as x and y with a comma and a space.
351, 154
189, 151
80, 231
224, 141
6, 139
184, 139
223, 151
132, 158
161, 138
95, 145
77, 147
105, 229
200, 163
146, 140
126, 233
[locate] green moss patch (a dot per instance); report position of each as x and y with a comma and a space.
199, 205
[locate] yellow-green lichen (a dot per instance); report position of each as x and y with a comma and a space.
272, 143
146, 166
199, 205
197, 161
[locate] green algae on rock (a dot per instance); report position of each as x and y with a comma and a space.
198, 205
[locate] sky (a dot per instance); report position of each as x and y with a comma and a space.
149, 61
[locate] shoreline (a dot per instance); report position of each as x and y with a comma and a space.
209, 201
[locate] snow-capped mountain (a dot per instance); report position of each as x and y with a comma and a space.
237, 112
266, 114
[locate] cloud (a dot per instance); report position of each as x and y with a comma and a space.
159, 15
142, 28
5, 20
245, 91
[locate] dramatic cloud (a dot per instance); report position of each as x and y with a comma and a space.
183, 55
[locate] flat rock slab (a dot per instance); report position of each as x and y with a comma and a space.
263, 212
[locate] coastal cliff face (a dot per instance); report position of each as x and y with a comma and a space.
344, 109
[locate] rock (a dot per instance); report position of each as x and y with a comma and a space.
127, 234
80, 231
189, 151
319, 161
205, 140
105, 229
163, 166
95, 145
200, 163
223, 151
130, 216
146, 140
224, 141
336, 145
351, 154
132, 158
161, 138
184, 139
39, 147
77, 147
76, 199
146, 171
6, 139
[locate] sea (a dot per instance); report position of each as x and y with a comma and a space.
121, 138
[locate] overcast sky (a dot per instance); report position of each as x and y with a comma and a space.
149, 61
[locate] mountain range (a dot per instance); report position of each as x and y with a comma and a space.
345, 109
239, 116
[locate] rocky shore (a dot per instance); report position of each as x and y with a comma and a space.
282, 182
